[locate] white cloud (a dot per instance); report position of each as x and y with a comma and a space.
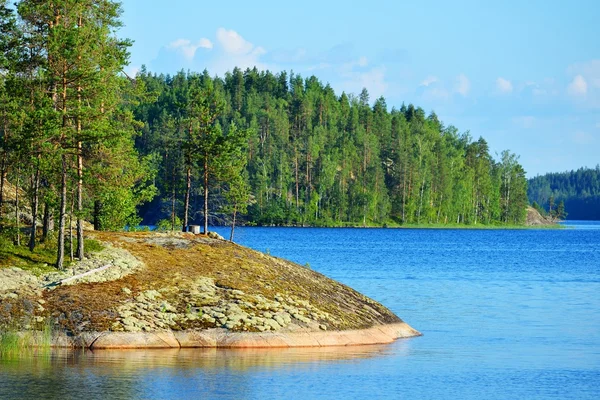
187, 48
504, 85
584, 87
229, 49
429, 80
590, 71
233, 43
235, 51
463, 85
578, 86
372, 79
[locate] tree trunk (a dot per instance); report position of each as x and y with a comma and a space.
1, 192
186, 207
296, 170
3, 169
173, 210
60, 257
18, 238
206, 194
233, 224
34, 206
420, 201
173, 198
440, 208
48, 224
71, 229
80, 243
403, 194
80, 250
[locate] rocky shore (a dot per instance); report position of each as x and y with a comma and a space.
180, 290
535, 219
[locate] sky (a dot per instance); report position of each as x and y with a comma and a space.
524, 75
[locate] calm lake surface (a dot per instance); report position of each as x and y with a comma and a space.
506, 314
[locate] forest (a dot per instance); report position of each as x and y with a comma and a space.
578, 190
83, 143
317, 158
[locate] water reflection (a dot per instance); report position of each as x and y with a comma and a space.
233, 359
163, 373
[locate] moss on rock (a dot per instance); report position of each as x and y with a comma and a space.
181, 282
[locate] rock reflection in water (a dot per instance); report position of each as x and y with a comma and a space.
234, 359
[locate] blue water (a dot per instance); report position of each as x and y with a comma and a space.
506, 314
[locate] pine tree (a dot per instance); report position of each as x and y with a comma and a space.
82, 60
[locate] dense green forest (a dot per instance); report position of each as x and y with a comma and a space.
82, 142
578, 190
318, 158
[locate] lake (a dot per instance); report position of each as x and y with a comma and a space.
505, 314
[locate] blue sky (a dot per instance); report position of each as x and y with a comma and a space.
525, 75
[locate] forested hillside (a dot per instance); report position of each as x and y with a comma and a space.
315, 157
82, 141
579, 190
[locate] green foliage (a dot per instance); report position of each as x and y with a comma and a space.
67, 137
263, 148
310, 157
14, 344
10, 343
539, 208
560, 212
579, 191
93, 246
39, 261
165, 225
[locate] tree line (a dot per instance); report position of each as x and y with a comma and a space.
321, 159
578, 191
82, 141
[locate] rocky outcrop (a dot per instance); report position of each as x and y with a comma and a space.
148, 290
223, 338
534, 218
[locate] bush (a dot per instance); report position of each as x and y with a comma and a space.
6, 243
93, 246
166, 224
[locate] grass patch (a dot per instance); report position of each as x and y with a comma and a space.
93, 246
43, 257
10, 343
13, 343
38, 262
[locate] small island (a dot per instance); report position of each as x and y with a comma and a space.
165, 290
